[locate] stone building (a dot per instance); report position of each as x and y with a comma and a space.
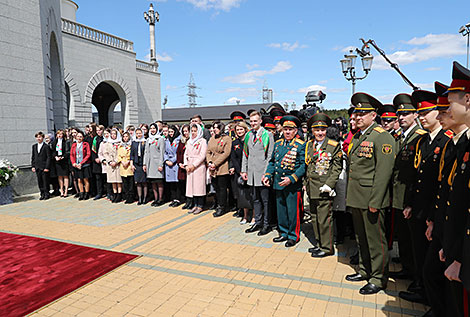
53, 69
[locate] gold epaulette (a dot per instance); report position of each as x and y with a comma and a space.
332, 142
300, 141
379, 129
279, 141
449, 134
421, 132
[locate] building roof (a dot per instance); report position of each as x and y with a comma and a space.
207, 113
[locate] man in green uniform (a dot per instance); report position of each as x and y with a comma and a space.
323, 158
285, 171
371, 156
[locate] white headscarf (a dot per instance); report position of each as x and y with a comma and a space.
118, 137
199, 134
152, 137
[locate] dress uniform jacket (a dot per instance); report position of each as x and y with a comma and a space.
153, 157
171, 172
323, 166
257, 155
404, 172
371, 158
287, 160
218, 152
426, 161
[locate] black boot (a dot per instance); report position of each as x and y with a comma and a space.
118, 198
86, 196
81, 196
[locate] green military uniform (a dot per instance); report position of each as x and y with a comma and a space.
404, 174
371, 156
324, 164
288, 160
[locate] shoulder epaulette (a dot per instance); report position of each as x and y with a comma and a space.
379, 129
332, 142
421, 132
278, 141
449, 134
300, 141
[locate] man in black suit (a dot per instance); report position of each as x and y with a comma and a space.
41, 163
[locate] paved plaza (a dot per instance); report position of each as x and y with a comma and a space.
196, 265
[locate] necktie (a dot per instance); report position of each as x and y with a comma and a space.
254, 136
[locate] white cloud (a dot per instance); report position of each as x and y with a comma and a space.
164, 57
242, 92
234, 101
250, 67
287, 46
170, 87
253, 76
432, 69
425, 86
224, 5
309, 88
425, 48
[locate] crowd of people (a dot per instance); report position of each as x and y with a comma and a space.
399, 173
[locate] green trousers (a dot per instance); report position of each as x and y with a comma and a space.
373, 249
322, 222
289, 209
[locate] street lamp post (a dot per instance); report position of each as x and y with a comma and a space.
349, 68
465, 31
151, 17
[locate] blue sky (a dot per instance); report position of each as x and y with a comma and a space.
233, 46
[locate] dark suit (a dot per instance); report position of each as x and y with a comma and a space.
42, 161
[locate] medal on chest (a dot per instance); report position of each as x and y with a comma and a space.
366, 149
322, 164
288, 161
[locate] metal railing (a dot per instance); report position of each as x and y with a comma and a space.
98, 36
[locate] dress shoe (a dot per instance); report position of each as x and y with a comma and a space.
356, 277
159, 203
177, 203
86, 196
313, 249
238, 213
213, 206
412, 297
154, 203
41, 197
219, 212
264, 231
280, 239
97, 197
319, 254
197, 211
290, 243
81, 196
369, 289
253, 228
129, 201
139, 201
172, 204
401, 275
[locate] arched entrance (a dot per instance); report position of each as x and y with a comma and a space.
105, 98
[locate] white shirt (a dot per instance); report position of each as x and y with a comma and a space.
433, 134
40, 146
456, 138
405, 133
318, 144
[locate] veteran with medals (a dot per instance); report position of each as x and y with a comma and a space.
371, 155
285, 171
323, 158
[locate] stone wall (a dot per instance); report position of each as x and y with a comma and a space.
148, 96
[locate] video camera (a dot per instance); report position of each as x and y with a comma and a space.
310, 108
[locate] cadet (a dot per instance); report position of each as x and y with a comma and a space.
324, 161
418, 203
456, 230
404, 173
371, 155
276, 113
437, 287
236, 116
389, 119
285, 171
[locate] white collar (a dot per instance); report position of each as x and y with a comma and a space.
456, 137
405, 133
433, 134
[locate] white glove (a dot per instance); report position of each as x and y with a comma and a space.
332, 193
325, 189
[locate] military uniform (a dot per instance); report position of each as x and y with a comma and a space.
324, 164
404, 174
371, 155
288, 160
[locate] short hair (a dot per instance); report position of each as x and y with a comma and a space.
39, 134
242, 124
196, 116
138, 129
101, 127
159, 121
255, 113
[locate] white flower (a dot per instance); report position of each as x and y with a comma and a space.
7, 176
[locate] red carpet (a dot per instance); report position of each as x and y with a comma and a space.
34, 271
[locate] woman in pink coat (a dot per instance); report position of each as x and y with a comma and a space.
194, 163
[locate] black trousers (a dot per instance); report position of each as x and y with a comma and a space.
402, 232
43, 181
199, 201
173, 187
100, 180
435, 283
260, 195
419, 245
221, 184
128, 187
181, 190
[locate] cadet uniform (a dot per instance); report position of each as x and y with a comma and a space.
277, 114
371, 156
404, 173
236, 116
324, 164
288, 160
426, 162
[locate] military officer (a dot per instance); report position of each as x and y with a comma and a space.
426, 162
455, 231
371, 155
404, 173
437, 287
324, 161
285, 171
